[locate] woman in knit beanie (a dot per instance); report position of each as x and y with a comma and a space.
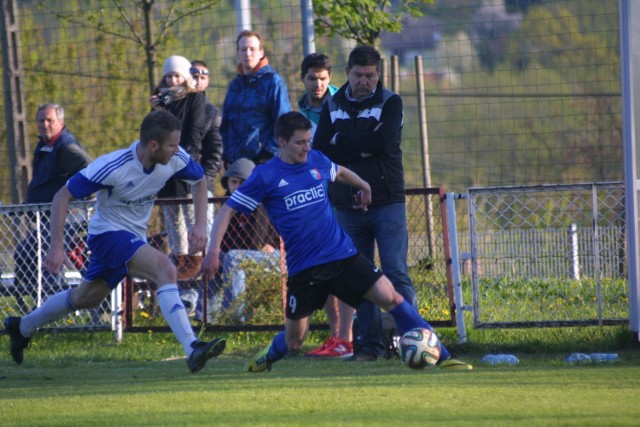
177, 93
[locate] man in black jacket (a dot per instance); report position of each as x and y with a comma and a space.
360, 128
211, 154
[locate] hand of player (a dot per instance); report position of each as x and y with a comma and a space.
361, 200
209, 266
54, 260
197, 238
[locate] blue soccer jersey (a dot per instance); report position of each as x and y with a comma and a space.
296, 200
125, 190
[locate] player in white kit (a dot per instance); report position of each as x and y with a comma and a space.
125, 183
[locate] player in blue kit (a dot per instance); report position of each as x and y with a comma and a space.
125, 183
321, 258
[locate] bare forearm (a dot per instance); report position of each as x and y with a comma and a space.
219, 228
362, 199
199, 193
59, 211
348, 177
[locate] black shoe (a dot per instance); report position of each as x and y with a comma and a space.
203, 351
362, 356
18, 342
390, 340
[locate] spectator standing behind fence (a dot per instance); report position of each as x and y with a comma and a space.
57, 156
315, 73
211, 153
177, 94
125, 183
210, 159
321, 258
254, 100
360, 128
249, 237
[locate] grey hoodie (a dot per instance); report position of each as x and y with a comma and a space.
241, 168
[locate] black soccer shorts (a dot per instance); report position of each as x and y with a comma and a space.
348, 279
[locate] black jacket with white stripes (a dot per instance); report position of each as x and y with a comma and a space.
367, 141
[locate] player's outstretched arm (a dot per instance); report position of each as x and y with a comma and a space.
198, 233
211, 261
362, 199
59, 210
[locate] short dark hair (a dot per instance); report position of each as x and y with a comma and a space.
157, 125
315, 60
199, 62
290, 122
364, 56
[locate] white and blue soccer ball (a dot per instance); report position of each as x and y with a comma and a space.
419, 348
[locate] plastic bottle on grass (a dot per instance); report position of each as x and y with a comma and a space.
578, 358
500, 359
604, 357
489, 359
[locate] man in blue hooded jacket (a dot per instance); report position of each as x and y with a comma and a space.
254, 100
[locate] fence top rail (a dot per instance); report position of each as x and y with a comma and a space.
547, 187
429, 190
9, 210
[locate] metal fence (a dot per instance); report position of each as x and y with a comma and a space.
257, 305
548, 255
24, 285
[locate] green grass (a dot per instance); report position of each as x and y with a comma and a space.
86, 379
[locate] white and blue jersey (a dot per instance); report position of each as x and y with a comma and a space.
125, 190
296, 200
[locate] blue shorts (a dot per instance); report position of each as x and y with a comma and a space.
110, 253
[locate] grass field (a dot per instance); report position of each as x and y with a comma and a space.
86, 379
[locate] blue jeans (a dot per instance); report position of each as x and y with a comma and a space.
385, 226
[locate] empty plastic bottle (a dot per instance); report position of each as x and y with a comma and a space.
578, 358
500, 359
489, 359
604, 357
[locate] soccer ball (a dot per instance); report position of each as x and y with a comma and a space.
419, 348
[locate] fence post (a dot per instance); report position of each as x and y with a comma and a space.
117, 312
455, 265
14, 102
575, 258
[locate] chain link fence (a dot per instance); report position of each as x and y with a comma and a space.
25, 285
248, 292
550, 255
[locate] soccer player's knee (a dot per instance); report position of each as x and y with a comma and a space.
397, 299
166, 272
83, 298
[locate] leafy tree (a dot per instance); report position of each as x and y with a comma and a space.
143, 22
363, 20
93, 78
